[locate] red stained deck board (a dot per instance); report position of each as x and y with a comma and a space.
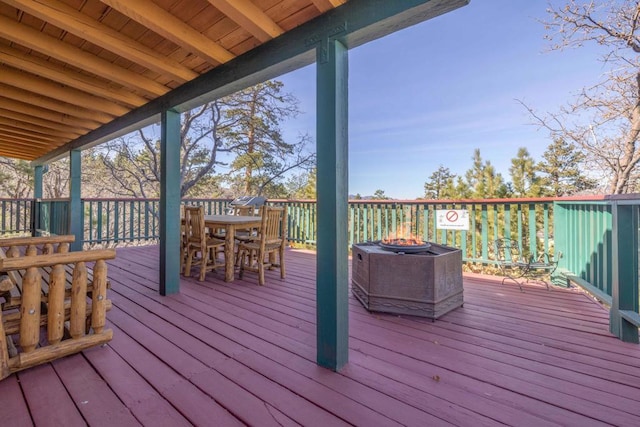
95, 400
13, 402
483, 397
290, 379
48, 400
146, 404
507, 357
267, 390
308, 365
191, 402
337, 385
538, 385
551, 368
231, 285
538, 352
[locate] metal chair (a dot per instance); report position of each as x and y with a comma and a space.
509, 260
514, 266
542, 268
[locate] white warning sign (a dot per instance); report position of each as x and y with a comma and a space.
452, 219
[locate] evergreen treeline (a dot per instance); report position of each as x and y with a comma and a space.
559, 173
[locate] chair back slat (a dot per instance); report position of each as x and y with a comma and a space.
508, 250
194, 224
248, 210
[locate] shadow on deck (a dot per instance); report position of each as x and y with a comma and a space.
235, 353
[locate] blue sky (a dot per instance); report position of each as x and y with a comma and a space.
432, 93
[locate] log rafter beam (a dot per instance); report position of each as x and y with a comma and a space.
52, 104
39, 138
33, 39
43, 113
4, 120
250, 17
70, 95
69, 19
325, 5
168, 26
58, 73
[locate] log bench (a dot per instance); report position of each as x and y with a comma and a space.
54, 305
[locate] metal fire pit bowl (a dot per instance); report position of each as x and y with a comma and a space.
407, 249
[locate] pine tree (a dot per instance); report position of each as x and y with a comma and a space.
561, 170
525, 182
440, 184
482, 180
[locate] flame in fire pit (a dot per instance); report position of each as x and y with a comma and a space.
403, 238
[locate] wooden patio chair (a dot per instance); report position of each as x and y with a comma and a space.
260, 253
245, 234
183, 240
199, 242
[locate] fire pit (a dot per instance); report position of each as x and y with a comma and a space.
418, 279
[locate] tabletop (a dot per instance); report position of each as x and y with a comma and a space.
232, 219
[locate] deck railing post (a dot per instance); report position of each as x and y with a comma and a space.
625, 270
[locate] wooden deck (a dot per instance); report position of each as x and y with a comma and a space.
223, 354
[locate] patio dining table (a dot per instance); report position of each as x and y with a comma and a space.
230, 223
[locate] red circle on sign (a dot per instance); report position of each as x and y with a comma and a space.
452, 216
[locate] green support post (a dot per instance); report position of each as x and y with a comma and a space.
76, 217
38, 172
332, 192
625, 271
170, 203
37, 196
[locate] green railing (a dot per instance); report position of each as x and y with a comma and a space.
15, 216
116, 221
51, 216
600, 239
597, 237
584, 232
529, 221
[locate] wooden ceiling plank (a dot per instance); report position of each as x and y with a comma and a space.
34, 39
20, 133
46, 124
75, 22
43, 113
36, 84
18, 146
35, 128
326, 5
31, 98
57, 73
250, 17
20, 155
8, 149
28, 138
168, 26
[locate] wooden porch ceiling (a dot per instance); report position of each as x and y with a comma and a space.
69, 67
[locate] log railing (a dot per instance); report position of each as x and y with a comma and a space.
52, 288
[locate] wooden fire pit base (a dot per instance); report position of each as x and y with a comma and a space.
427, 284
